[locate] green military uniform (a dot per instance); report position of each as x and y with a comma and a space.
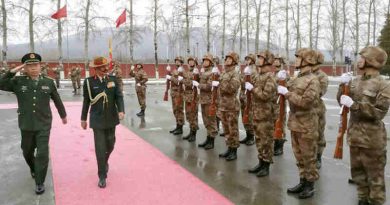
105, 99
34, 116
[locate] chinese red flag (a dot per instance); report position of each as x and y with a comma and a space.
121, 19
60, 13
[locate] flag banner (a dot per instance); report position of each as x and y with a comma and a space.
121, 19
62, 13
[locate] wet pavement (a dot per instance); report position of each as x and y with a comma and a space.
229, 178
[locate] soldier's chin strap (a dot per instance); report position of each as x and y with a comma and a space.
97, 97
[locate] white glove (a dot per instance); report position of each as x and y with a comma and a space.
180, 78
168, 77
346, 100
345, 78
282, 90
132, 67
138, 84
202, 70
168, 68
180, 69
215, 83
195, 83
247, 71
215, 70
282, 75
248, 86
195, 71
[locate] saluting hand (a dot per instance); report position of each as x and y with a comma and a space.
64, 120
84, 124
121, 115
17, 69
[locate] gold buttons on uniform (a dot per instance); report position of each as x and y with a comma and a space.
35, 91
33, 110
34, 98
33, 104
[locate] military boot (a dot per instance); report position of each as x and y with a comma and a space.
222, 135
251, 139
256, 168
179, 130
363, 202
188, 136
278, 147
297, 188
204, 142
308, 190
177, 127
226, 153
233, 155
193, 136
210, 144
264, 171
141, 113
319, 161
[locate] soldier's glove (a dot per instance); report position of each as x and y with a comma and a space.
215, 70
248, 86
138, 84
180, 69
132, 67
282, 75
346, 78
346, 100
180, 78
168, 68
282, 90
195, 83
247, 71
202, 70
215, 83
195, 71
168, 77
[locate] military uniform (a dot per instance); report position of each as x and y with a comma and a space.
229, 106
73, 77
141, 78
105, 99
367, 137
44, 70
177, 98
117, 72
78, 77
34, 116
57, 76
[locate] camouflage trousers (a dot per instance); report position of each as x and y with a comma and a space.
321, 129
305, 151
367, 170
178, 108
249, 126
141, 95
210, 122
192, 114
264, 130
120, 83
78, 81
230, 127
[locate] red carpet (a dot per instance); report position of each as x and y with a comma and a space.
139, 173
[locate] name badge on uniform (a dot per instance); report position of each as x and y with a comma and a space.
24, 88
45, 87
110, 84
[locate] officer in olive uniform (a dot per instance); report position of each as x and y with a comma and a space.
103, 95
33, 92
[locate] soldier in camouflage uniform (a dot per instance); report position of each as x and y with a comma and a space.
117, 72
280, 74
141, 78
229, 105
45, 69
191, 101
321, 109
73, 77
368, 102
78, 77
263, 88
301, 92
176, 79
250, 61
205, 96
57, 71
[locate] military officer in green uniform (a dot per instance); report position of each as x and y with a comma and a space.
103, 94
33, 92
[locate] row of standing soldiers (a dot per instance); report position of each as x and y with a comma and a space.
228, 93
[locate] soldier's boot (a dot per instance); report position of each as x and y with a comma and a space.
189, 135
204, 142
251, 139
210, 144
256, 168
222, 135
308, 190
364, 202
226, 153
278, 147
141, 113
39, 189
319, 161
193, 136
264, 171
297, 188
233, 155
172, 131
218, 122
179, 130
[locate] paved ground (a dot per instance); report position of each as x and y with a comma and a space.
229, 178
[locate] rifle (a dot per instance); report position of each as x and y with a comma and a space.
195, 92
213, 106
338, 152
168, 86
278, 132
179, 100
245, 117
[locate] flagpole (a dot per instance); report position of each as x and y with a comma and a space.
67, 32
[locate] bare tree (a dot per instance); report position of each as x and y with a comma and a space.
369, 22
258, 11
155, 18
5, 30
269, 24
187, 34
240, 25
334, 30
287, 32
374, 26
131, 31
247, 26
317, 25
59, 35
342, 40
208, 25
223, 27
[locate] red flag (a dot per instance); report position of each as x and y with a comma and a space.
121, 19
60, 13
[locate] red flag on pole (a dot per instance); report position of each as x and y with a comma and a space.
121, 19
60, 13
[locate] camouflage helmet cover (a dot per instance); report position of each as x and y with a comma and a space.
375, 56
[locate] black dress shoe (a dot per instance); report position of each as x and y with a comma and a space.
40, 189
102, 183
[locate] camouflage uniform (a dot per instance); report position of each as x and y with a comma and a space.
78, 77
140, 78
73, 77
366, 130
189, 97
210, 122
57, 76
177, 101
44, 70
117, 72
